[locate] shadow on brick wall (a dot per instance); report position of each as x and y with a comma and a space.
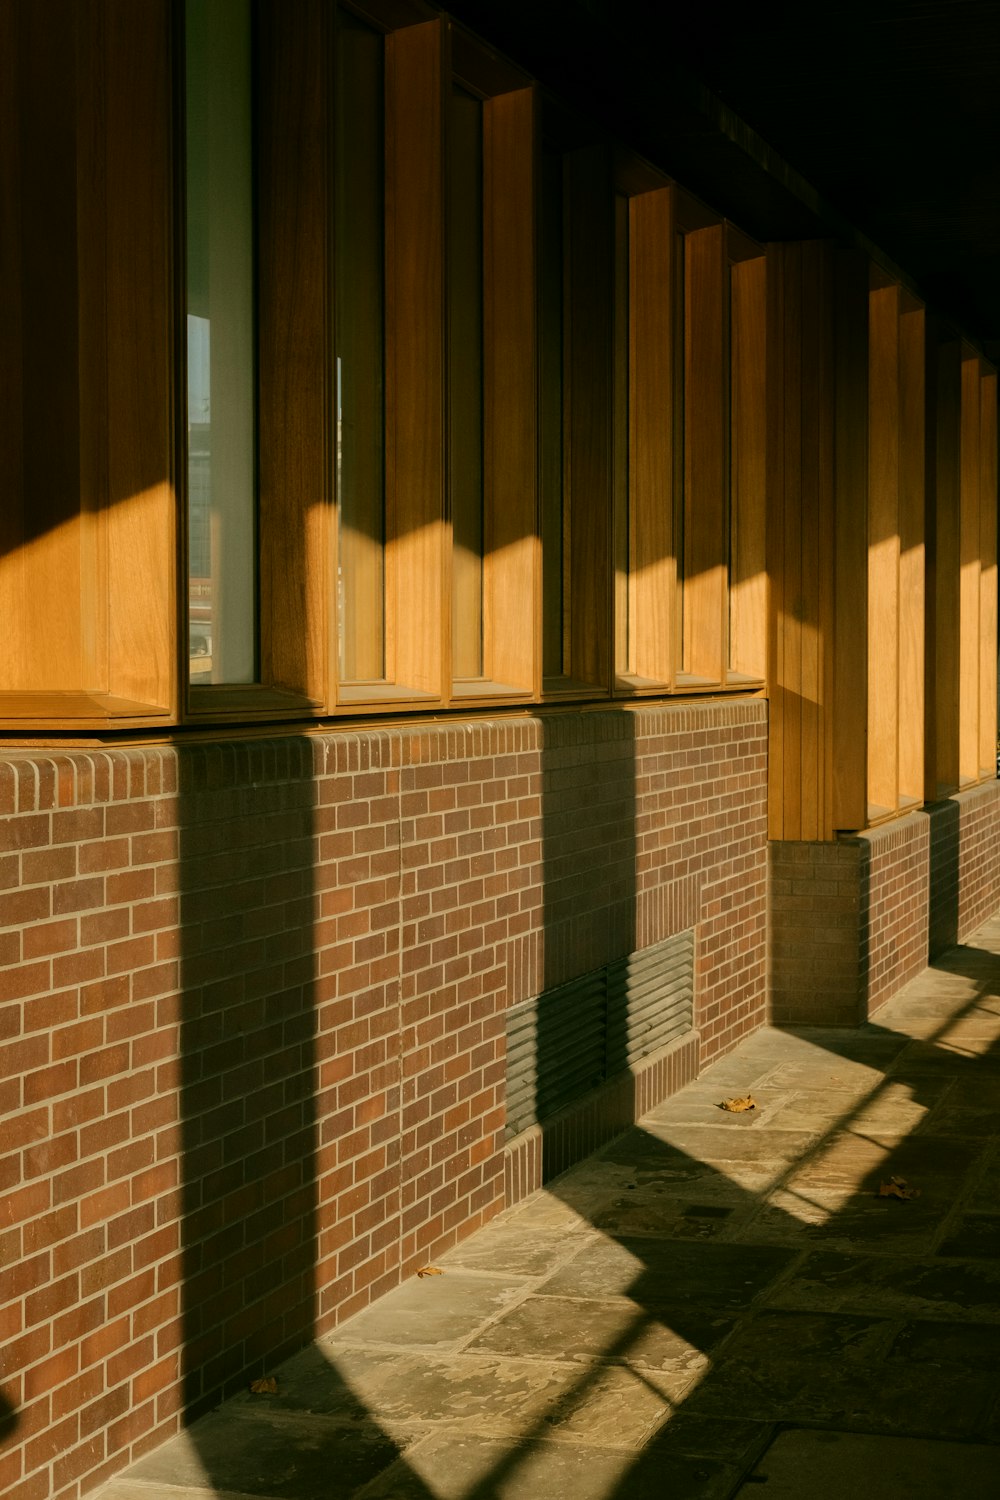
944, 852
248, 1060
589, 901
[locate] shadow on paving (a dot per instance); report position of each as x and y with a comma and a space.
646, 1325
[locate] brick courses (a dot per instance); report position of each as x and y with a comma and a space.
851, 922
253, 1022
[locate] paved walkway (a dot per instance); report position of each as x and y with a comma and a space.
715, 1305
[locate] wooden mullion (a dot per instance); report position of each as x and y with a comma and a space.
883, 548
988, 574
511, 549
706, 380
849, 709
418, 569
970, 542
653, 572
912, 623
295, 184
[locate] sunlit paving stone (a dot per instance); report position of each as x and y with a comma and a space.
475, 1392
582, 1330
827, 1074
641, 1326
447, 1468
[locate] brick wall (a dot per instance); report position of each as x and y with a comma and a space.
848, 923
965, 863
852, 922
895, 889
251, 1057
814, 933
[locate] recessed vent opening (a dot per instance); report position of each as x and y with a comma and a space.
568, 1041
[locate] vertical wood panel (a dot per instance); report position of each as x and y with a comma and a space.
416, 575
988, 575
40, 569
13, 62
652, 563
748, 480
791, 544
946, 566
850, 803
826, 438
883, 548
142, 537
706, 451
513, 557
777, 257
296, 402
813, 559
969, 567
911, 553
587, 345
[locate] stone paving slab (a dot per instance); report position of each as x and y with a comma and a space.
711, 1299
830, 1465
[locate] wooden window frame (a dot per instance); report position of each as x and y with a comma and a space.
895, 567
587, 453
961, 705
88, 545
724, 462
510, 557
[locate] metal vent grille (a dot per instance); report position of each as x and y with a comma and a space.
570, 1040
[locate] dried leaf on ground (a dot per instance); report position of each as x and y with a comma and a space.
430, 1271
897, 1187
736, 1106
267, 1386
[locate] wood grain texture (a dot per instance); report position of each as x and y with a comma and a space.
587, 248
748, 467
988, 574
88, 542
511, 629
850, 712
912, 621
296, 409
883, 547
40, 567
706, 452
947, 419
142, 538
801, 539
416, 574
652, 562
970, 514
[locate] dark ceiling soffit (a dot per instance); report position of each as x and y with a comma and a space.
660, 110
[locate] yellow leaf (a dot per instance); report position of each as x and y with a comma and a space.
268, 1386
897, 1187
430, 1271
736, 1106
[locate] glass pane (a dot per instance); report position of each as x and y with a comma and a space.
220, 344
360, 335
465, 379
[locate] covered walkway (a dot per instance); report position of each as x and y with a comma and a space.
716, 1304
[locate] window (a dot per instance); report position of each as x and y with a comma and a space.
221, 397
460, 404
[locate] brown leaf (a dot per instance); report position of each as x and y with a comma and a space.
897, 1187
267, 1386
430, 1271
736, 1106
